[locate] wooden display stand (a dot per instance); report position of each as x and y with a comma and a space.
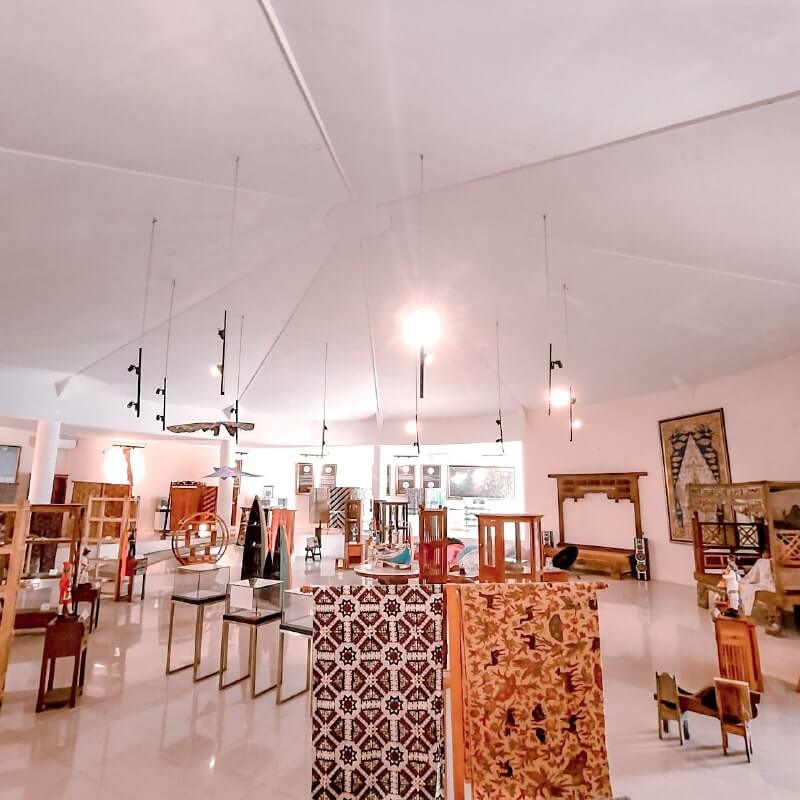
391, 521
433, 566
492, 565
614, 561
353, 547
74, 521
65, 637
12, 553
111, 520
742, 520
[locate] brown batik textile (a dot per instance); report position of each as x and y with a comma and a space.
534, 692
378, 697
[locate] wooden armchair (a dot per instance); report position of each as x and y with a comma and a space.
669, 706
735, 712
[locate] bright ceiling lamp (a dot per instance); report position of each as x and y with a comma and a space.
560, 397
214, 371
576, 423
411, 427
422, 328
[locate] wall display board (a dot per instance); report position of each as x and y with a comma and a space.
485, 482
694, 450
328, 475
405, 478
304, 473
9, 463
431, 477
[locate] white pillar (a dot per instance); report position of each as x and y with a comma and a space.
45, 451
227, 458
376, 472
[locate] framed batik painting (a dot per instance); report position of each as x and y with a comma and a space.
694, 449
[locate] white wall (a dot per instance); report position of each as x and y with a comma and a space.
762, 417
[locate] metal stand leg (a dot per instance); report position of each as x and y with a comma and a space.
198, 647
281, 652
170, 670
223, 659
253, 661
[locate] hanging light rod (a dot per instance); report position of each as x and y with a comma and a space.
499, 420
137, 367
552, 365
162, 391
223, 334
573, 423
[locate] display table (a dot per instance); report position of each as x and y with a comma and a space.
387, 576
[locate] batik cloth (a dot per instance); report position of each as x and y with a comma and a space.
534, 692
377, 697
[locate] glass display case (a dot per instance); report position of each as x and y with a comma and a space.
255, 597
298, 610
200, 583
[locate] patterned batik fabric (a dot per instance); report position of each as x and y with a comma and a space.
534, 688
378, 700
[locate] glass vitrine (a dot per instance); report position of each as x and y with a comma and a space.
255, 597
199, 583
298, 610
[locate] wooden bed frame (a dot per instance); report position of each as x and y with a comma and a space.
739, 519
613, 561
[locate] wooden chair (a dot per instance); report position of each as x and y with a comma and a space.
735, 712
737, 651
433, 567
352, 533
65, 637
669, 707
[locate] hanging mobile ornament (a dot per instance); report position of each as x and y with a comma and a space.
162, 391
137, 367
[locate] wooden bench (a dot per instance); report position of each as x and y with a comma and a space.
612, 561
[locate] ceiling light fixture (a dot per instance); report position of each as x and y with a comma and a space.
499, 419
214, 371
411, 427
162, 390
576, 423
137, 367
560, 397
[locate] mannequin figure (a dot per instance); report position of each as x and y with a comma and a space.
759, 578
65, 588
731, 579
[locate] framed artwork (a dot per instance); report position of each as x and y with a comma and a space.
694, 449
328, 475
9, 463
405, 478
431, 476
267, 494
305, 478
490, 483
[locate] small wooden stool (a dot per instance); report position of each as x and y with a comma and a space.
65, 637
135, 565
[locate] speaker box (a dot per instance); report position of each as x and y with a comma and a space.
641, 559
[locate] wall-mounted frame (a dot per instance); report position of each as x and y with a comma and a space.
431, 476
694, 449
405, 477
490, 483
304, 477
9, 463
327, 476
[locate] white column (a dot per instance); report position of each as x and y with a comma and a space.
376, 472
45, 451
227, 458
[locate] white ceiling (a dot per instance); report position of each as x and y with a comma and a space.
679, 248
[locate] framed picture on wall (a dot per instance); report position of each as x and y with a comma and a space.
431, 476
694, 449
328, 475
9, 463
405, 479
305, 477
489, 483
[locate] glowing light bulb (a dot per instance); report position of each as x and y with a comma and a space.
428, 359
559, 397
576, 423
213, 371
411, 427
422, 328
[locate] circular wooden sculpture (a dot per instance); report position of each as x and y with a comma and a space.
201, 538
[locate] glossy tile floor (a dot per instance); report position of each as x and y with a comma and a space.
139, 735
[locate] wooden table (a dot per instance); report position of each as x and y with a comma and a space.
387, 575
